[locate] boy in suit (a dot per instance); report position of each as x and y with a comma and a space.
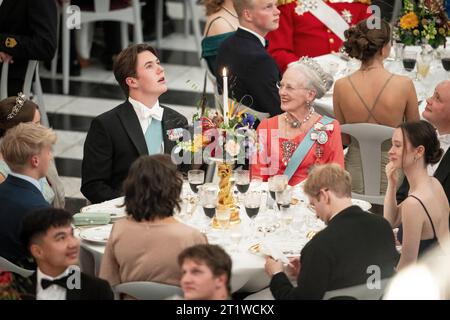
27, 149
340, 255
48, 235
252, 71
139, 126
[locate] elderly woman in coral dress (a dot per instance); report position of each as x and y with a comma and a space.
299, 138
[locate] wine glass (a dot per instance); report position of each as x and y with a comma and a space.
286, 217
252, 203
445, 59
196, 178
208, 194
284, 198
423, 65
398, 50
242, 181
409, 60
223, 216
277, 183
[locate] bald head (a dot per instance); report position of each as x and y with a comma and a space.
437, 111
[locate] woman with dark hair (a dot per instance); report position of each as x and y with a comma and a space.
423, 217
372, 94
145, 245
221, 22
15, 110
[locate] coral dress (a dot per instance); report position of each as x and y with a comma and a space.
272, 160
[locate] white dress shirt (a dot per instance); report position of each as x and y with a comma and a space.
263, 41
53, 292
146, 114
27, 178
444, 139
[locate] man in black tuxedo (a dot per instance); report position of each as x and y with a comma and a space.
252, 72
437, 112
344, 253
27, 32
26, 149
139, 126
48, 235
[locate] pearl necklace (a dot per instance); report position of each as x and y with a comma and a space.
297, 124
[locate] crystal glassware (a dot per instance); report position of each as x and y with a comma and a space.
195, 179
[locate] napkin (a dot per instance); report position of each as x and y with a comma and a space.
91, 218
274, 251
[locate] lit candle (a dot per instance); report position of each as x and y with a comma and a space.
225, 96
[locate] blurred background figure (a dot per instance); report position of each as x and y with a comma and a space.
371, 94
27, 32
145, 246
52, 186
205, 273
302, 33
148, 19
423, 217
221, 22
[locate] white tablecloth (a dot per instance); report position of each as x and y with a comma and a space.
248, 268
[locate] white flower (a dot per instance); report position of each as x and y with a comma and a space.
232, 148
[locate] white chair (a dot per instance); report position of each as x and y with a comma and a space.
370, 137
6, 265
32, 70
359, 292
397, 7
102, 12
190, 4
146, 290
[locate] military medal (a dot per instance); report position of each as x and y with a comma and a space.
347, 15
304, 6
287, 148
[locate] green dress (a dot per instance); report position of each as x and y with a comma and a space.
210, 47
47, 191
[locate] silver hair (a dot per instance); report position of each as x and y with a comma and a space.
317, 79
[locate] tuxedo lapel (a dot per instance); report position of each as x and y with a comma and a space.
132, 126
4, 9
443, 169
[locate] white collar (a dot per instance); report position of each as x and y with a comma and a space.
444, 138
40, 275
144, 112
27, 178
263, 41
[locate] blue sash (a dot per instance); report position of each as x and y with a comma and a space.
302, 149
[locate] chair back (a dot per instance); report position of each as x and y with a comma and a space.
147, 290
370, 137
359, 292
6, 265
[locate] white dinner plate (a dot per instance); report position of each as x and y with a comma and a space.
97, 235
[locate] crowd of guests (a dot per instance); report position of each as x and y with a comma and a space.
127, 153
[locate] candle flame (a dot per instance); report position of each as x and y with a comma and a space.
224, 72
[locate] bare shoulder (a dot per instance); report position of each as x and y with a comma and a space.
217, 25
409, 208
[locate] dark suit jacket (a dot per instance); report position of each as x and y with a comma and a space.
251, 71
90, 289
32, 25
18, 198
115, 139
338, 256
442, 173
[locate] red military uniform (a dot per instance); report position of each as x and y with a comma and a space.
305, 35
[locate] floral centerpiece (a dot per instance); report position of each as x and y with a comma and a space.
423, 23
224, 135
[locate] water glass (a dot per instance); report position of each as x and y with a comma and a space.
196, 178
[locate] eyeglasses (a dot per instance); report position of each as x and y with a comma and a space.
288, 87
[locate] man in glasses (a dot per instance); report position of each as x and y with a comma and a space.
356, 248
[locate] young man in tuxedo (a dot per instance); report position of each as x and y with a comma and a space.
252, 72
340, 255
206, 273
437, 112
27, 150
48, 235
139, 126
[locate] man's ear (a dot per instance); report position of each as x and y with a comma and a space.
221, 281
131, 82
36, 251
324, 196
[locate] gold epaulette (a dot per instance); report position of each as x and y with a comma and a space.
282, 2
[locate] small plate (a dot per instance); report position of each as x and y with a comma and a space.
97, 235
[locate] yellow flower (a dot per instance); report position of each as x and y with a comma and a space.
442, 31
416, 32
424, 22
409, 21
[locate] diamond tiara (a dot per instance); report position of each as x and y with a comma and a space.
20, 100
314, 66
